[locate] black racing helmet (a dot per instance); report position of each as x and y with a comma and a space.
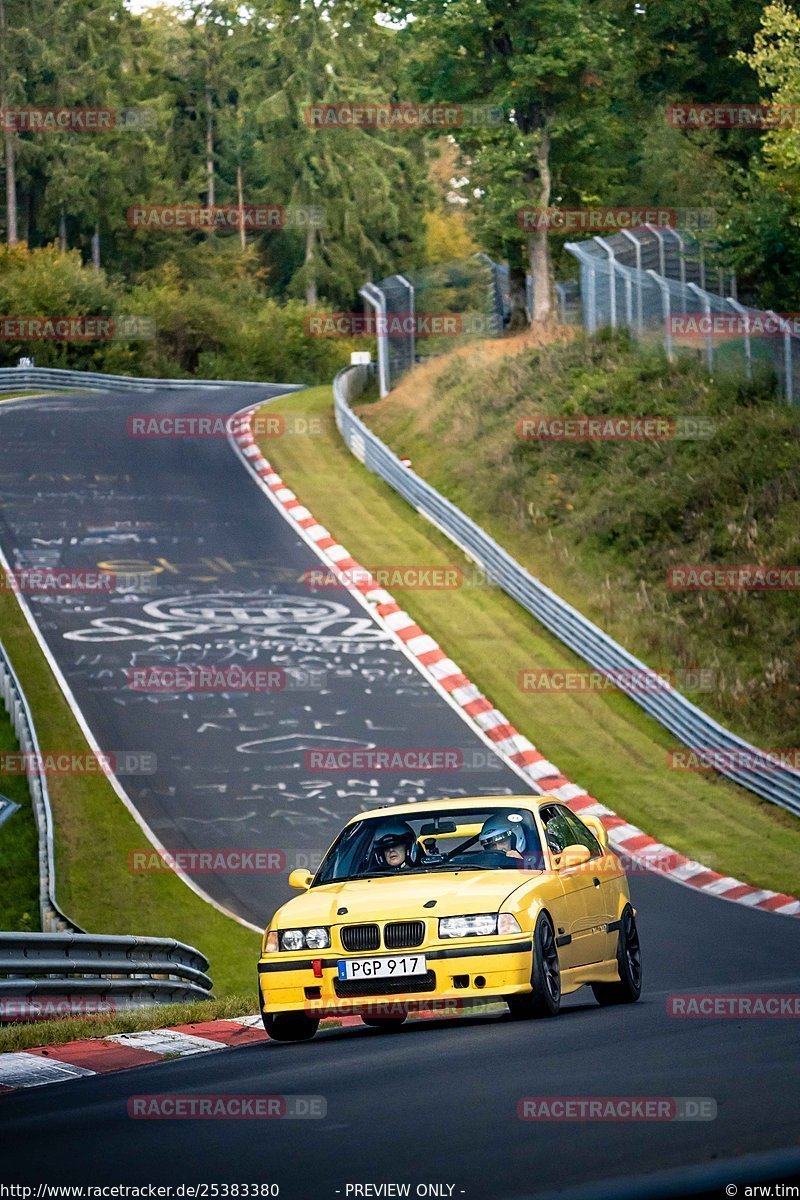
395, 833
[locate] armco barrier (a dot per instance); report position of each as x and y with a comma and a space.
66, 962
123, 972
52, 918
776, 783
50, 377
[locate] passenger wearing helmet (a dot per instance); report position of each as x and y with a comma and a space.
395, 847
504, 836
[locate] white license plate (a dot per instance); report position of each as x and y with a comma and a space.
382, 968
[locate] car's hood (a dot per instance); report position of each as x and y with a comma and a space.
402, 897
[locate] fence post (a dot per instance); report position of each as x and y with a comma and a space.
658, 235
413, 314
612, 276
748, 349
378, 302
706, 303
637, 247
666, 308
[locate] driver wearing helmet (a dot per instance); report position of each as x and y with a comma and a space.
501, 835
395, 847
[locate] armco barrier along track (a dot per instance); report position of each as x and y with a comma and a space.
775, 782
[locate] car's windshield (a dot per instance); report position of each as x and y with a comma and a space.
490, 839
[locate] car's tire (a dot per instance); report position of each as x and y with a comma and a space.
290, 1027
388, 1024
544, 998
629, 964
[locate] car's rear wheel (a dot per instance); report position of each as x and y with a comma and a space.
629, 964
544, 998
386, 1023
290, 1027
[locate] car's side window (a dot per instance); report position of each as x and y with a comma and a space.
579, 834
556, 830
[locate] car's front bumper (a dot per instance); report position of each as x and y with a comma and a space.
482, 967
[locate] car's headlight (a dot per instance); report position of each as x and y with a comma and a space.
479, 925
317, 938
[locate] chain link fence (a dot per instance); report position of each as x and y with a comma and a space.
659, 283
427, 311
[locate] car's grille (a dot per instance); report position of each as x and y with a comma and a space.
345, 988
400, 935
361, 937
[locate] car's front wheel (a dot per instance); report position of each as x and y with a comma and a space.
629, 964
544, 998
290, 1027
386, 1023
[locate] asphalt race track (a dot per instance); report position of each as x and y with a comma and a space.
213, 575
437, 1102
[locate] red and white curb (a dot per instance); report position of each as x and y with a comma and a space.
487, 721
41, 1065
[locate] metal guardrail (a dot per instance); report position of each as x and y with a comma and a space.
16, 705
767, 778
35, 377
66, 962
124, 972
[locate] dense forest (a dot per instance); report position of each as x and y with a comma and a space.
209, 106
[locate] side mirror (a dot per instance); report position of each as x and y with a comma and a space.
300, 880
598, 829
572, 856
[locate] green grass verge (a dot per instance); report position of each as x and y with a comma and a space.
603, 522
602, 741
94, 835
19, 848
55, 1033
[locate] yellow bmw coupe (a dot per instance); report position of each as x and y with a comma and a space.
511, 898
